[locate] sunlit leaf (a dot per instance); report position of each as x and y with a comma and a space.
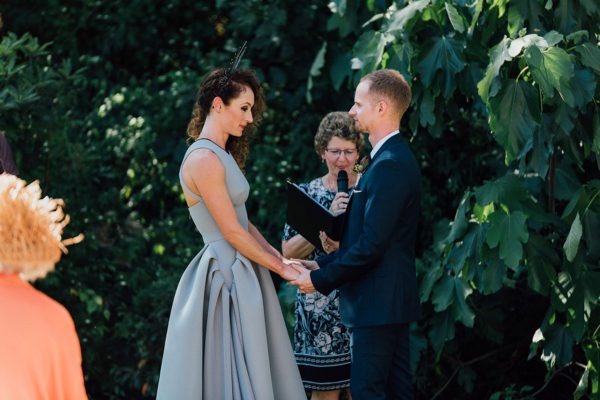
401, 17
558, 346
489, 85
368, 51
573, 238
590, 56
552, 69
456, 19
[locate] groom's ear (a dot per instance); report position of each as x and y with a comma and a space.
382, 106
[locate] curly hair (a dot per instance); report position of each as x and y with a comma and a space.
228, 87
338, 124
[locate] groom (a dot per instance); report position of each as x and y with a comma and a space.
375, 265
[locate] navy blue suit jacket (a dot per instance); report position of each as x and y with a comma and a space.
375, 265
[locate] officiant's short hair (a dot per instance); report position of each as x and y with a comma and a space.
338, 124
391, 85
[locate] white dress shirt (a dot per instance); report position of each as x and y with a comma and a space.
382, 141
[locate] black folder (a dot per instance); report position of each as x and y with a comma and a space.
308, 217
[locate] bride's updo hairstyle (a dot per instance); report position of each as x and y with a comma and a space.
227, 85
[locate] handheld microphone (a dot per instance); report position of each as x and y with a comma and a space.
342, 181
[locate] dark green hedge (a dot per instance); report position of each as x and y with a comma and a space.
98, 114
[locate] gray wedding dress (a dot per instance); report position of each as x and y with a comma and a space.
226, 337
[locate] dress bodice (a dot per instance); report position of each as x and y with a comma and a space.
237, 186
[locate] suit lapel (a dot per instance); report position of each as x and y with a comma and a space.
387, 145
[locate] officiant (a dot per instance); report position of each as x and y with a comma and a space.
321, 342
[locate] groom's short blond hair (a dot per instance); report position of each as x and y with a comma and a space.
390, 85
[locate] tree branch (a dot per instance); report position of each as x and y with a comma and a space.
466, 364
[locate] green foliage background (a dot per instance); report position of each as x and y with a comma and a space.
95, 97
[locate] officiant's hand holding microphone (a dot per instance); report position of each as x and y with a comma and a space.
338, 206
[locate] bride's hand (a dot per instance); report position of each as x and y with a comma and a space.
292, 262
290, 272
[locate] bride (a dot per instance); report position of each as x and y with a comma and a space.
226, 337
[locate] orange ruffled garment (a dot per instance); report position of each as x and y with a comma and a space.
40, 357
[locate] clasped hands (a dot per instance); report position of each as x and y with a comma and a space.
297, 273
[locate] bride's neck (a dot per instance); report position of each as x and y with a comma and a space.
212, 131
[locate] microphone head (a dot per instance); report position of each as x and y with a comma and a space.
342, 181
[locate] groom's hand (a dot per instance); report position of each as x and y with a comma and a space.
304, 282
309, 265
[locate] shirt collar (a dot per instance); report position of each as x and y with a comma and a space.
382, 141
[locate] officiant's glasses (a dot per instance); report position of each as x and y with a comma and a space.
338, 152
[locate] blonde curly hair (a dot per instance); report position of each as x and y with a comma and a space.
30, 229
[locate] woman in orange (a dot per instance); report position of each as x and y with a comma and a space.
40, 357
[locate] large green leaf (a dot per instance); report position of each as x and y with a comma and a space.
542, 149
514, 117
590, 55
541, 261
596, 133
460, 223
315, 70
368, 51
491, 276
578, 310
510, 232
431, 277
460, 310
522, 11
338, 7
540, 276
573, 238
509, 189
567, 183
562, 290
340, 70
456, 19
591, 227
444, 54
525, 42
582, 386
558, 346
427, 109
441, 330
399, 58
489, 85
500, 5
443, 293
591, 6
459, 254
552, 68
401, 17
418, 344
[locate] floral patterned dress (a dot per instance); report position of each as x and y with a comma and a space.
321, 341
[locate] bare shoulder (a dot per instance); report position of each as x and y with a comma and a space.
203, 162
